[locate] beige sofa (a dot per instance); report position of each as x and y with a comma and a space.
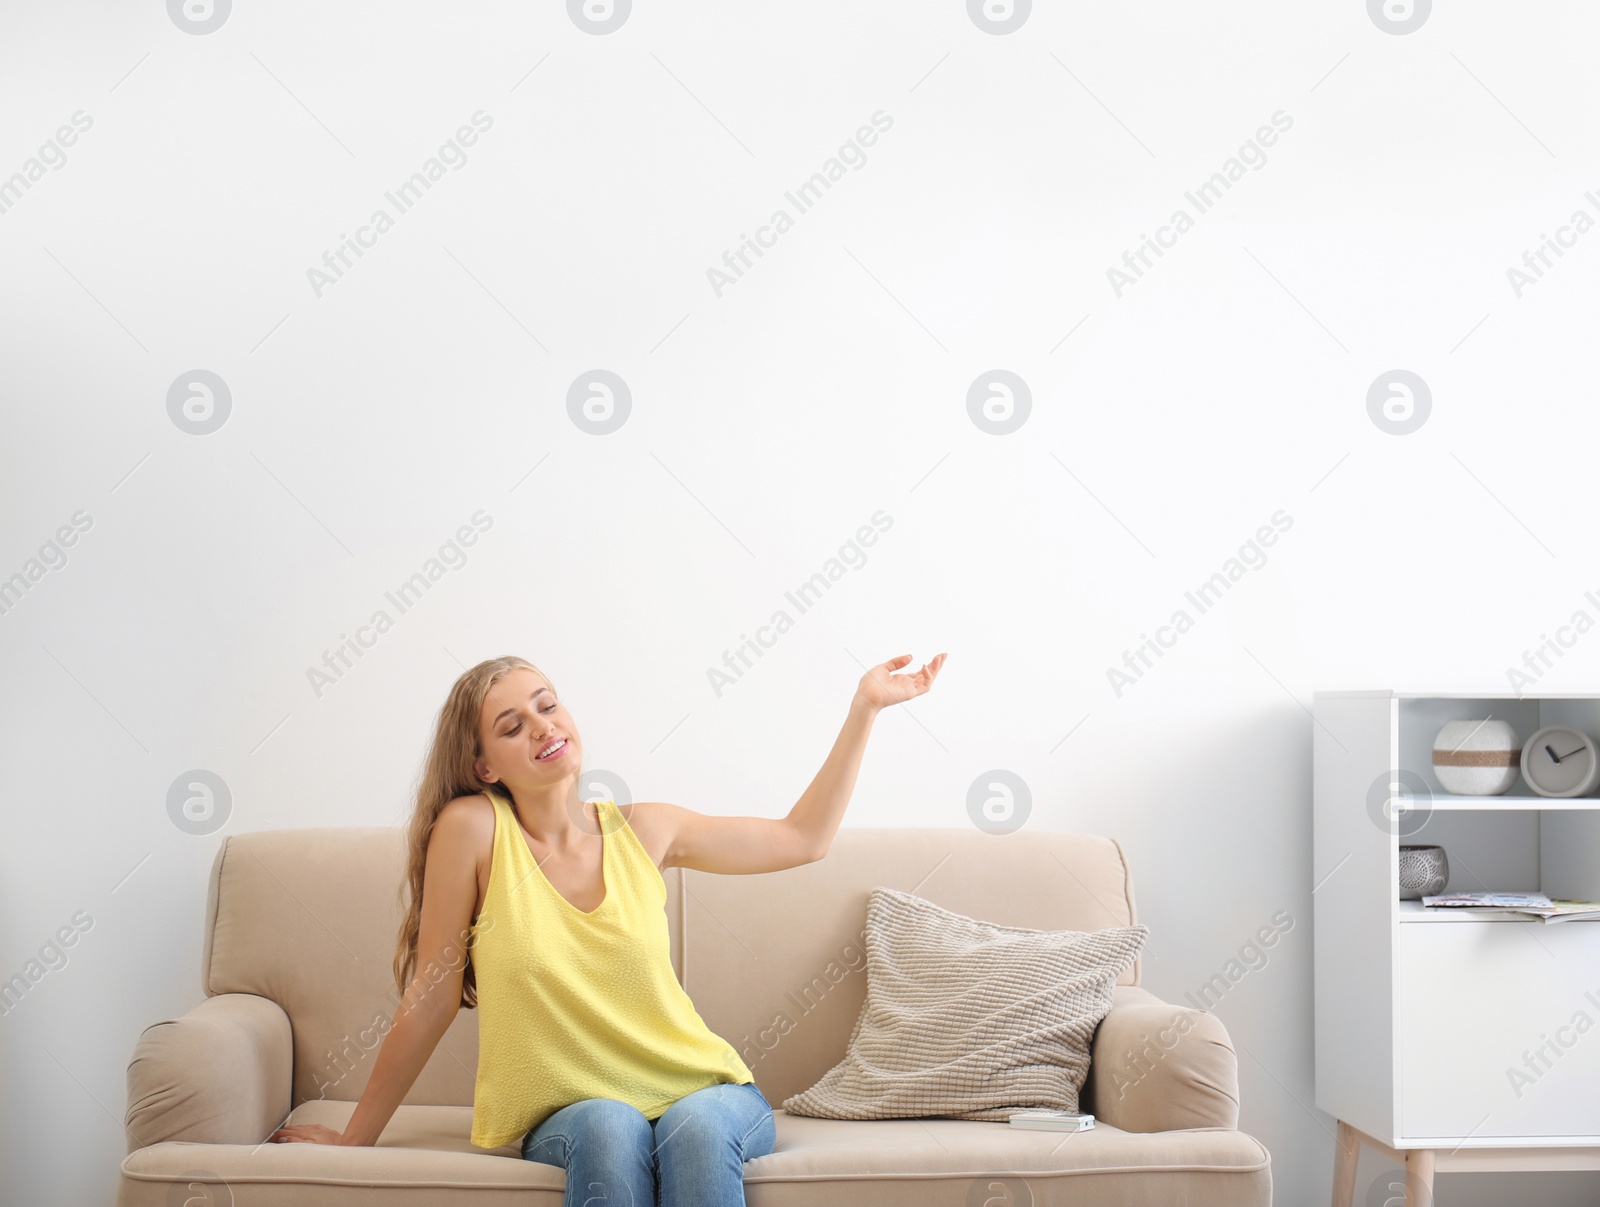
299, 936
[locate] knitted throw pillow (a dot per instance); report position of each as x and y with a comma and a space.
968, 1020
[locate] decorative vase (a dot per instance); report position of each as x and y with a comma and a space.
1424, 871
1479, 757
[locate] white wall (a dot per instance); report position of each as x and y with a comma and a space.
1170, 420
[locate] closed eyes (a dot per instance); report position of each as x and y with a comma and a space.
518, 725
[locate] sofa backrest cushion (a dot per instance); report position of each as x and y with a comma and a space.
774, 963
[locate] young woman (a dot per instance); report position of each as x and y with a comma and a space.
551, 910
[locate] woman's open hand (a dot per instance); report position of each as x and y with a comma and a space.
879, 688
312, 1133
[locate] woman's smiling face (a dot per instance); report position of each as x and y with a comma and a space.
521, 719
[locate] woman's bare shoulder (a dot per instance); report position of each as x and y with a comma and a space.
651, 825
467, 820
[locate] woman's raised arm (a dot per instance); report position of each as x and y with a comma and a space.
736, 846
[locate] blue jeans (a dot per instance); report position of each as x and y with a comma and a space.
694, 1152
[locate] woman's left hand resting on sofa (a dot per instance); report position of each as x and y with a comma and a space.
312, 1133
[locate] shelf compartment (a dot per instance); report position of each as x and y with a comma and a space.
1421, 718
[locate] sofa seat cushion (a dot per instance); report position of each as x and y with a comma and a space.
424, 1159
917, 1162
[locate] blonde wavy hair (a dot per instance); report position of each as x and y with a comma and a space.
446, 774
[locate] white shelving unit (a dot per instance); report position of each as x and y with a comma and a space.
1450, 1043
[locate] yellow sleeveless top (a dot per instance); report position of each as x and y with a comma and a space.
575, 1005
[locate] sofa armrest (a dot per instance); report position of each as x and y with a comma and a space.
1155, 1067
220, 1074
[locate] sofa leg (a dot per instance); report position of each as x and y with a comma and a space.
1346, 1156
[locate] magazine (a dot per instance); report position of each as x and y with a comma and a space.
1527, 905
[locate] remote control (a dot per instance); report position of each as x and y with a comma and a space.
1052, 1121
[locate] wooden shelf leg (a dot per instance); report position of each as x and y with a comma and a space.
1346, 1156
1419, 1177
